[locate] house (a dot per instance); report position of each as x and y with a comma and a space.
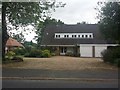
84, 40
11, 44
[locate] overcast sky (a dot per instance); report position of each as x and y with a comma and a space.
77, 11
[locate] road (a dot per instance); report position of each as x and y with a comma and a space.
36, 78
58, 84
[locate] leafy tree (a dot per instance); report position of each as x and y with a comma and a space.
41, 28
83, 22
19, 37
21, 14
109, 15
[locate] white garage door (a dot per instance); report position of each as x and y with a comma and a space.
86, 51
98, 50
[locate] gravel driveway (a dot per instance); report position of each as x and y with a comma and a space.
62, 63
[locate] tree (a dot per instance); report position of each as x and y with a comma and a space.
41, 28
21, 14
109, 15
19, 37
83, 22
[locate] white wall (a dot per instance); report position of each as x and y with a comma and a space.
86, 51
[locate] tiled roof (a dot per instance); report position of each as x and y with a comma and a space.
12, 42
49, 33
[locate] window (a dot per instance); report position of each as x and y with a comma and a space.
86, 36
67, 35
72, 35
90, 36
75, 35
78, 35
82, 36
57, 36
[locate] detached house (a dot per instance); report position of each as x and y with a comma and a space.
84, 40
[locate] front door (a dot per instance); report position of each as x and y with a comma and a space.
63, 50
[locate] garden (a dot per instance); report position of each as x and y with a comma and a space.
17, 54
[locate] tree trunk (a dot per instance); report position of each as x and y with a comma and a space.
4, 30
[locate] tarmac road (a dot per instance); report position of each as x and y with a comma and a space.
58, 84
36, 78
9, 72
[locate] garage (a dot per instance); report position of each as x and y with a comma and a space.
86, 51
98, 50
92, 50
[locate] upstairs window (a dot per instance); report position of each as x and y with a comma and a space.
57, 36
82, 36
86, 36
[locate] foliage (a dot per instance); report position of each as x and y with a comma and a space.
42, 26
46, 53
70, 53
109, 15
17, 59
22, 14
19, 51
33, 53
111, 55
19, 37
10, 55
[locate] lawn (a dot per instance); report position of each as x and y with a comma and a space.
62, 63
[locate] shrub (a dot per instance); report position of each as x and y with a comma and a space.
33, 53
19, 51
9, 55
17, 59
111, 55
46, 53
70, 53
53, 54
117, 62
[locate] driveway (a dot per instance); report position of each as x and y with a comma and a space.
62, 63
61, 67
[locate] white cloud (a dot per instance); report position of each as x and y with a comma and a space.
77, 11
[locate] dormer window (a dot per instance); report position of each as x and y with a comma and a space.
90, 36
74, 35
82, 36
67, 36
86, 36
57, 36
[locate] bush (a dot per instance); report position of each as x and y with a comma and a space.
17, 59
53, 54
9, 55
70, 53
45, 53
19, 51
34, 53
111, 55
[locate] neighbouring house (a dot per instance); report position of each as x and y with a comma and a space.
84, 40
12, 44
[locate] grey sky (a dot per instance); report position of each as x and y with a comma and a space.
77, 11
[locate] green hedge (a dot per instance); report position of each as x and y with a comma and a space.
38, 53
112, 55
33, 53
